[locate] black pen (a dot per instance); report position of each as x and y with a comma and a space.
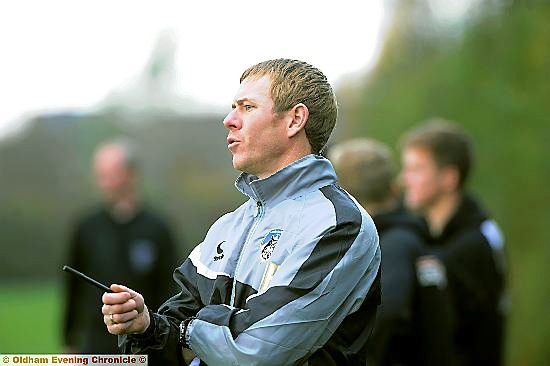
88, 279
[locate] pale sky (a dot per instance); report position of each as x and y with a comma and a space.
61, 55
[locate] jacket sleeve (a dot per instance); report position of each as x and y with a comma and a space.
161, 340
331, 275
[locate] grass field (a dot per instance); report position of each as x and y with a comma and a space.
30, 322
30, 318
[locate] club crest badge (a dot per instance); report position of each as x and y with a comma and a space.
269, 243
430, 271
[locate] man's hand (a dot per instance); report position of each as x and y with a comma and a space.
124, 311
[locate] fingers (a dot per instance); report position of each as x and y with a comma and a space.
125, 307
118, 328
113, 319
124, 311
126, 323
115, 298
121, 288
121, 295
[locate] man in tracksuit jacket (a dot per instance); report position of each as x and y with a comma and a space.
291, 277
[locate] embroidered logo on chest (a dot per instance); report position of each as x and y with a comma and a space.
269, 243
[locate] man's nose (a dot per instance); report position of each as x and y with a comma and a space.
231, 122
405, 177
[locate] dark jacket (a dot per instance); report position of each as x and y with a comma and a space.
471, 246
139, 253
413, 325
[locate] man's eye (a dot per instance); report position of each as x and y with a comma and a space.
248, 107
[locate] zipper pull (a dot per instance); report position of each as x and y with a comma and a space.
258, 208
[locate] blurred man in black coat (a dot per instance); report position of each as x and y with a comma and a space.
119, 241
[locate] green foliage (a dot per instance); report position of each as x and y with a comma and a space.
495, 81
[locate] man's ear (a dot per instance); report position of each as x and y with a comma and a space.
298, 116
450, 178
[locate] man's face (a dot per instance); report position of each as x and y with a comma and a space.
113, 178
257, 136
421, 178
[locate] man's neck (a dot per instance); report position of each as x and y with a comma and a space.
290, 157
441, 211
380, 207
124, 209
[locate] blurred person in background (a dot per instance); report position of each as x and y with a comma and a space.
121, 240
413, 325
292, 275
436, 158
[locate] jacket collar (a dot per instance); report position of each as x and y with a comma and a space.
305, 175
468, 213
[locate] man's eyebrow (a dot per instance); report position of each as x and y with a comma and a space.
241, 101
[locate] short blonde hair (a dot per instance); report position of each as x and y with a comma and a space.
365, 169
294, 82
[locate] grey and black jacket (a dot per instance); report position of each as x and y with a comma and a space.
289, 277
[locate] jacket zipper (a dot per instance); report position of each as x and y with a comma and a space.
258, 215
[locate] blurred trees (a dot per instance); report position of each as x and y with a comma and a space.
490, 72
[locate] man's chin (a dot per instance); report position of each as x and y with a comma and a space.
238, 164
414, 206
